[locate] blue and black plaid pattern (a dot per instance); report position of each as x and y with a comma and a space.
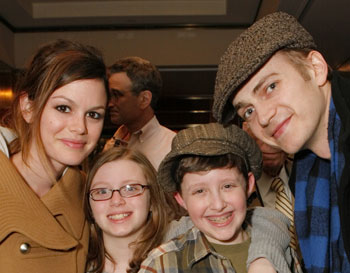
316, 206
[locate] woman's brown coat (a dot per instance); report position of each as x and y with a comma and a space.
47, 234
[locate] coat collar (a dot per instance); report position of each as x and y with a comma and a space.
24, 212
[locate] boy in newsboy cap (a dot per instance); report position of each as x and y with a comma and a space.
272, 77
212, 171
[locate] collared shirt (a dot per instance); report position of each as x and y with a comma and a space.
190, 252
6, 136
264, 185
153, 140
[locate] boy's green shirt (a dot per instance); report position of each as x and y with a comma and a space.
236, 253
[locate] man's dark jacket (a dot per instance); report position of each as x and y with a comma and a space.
341, 98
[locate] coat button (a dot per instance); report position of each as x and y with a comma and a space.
24, 248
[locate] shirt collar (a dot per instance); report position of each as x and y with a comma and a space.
202, 248
266, 180
147, 130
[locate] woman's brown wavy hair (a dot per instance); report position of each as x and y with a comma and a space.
54, 65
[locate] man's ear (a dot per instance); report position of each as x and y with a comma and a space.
26, 108
179, 200
250, 184
319, 67
145, 98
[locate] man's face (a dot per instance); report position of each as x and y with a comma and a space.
124, 105
282, 108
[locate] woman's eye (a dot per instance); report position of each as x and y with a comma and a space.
94, 115
63, 108
271, 87
248, 113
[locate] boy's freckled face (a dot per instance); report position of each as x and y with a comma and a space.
216, 202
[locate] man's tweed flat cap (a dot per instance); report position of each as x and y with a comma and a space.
209, 140
250, 51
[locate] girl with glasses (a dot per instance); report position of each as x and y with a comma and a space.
57, 118
127, 210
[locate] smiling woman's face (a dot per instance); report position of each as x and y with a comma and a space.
72, 121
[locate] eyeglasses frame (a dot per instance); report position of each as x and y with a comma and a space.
118, 190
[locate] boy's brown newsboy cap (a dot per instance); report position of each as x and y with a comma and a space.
210, 140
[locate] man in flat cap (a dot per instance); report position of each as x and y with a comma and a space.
273, 77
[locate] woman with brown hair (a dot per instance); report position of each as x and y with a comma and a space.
127, 209
57, 117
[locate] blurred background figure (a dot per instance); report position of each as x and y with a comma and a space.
276, 164
135, 86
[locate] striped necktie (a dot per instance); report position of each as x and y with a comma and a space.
284, 205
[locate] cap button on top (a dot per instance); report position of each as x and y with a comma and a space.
24, 248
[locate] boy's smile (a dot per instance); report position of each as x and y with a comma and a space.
221, 220
216, 202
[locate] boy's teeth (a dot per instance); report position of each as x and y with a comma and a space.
221, 219
118, 216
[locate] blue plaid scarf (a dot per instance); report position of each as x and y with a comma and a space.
316, 206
